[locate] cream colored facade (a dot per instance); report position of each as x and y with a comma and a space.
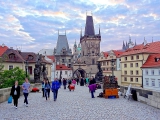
106, 63
131, 69
8, 65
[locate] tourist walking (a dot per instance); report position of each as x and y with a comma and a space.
55, 87
15, 93
87, 81
77, 81
92, 88
60, 82
94, 80
43, 95
26, 87
82, 82
47, 89
64, 83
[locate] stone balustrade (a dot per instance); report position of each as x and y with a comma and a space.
5, 92
146, 96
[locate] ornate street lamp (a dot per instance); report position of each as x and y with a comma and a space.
112, 68
26, 66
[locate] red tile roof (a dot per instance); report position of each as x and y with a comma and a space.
153, 47
62, 67
52, 58
2, 50
105, 54
150, 63
117, 52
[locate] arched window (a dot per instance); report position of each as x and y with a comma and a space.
12, 56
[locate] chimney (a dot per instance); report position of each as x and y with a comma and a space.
3, 45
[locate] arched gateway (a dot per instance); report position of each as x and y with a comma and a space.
79, 73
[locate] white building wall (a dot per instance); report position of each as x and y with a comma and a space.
151, 80
118, 64
46, 52
65, 74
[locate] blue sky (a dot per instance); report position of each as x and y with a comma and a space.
33, 24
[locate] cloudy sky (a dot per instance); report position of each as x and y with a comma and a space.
33, 24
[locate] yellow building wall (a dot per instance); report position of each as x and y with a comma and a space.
140, 61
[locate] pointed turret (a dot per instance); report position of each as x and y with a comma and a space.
75, 45
126, 45
99, 30
123, 47
135, 42
89, 28
81, 33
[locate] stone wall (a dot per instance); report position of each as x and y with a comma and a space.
146, 96
5, 93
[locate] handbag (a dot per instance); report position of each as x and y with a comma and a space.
10, 99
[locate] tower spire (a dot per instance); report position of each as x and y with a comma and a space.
89, 27
99, 30
135, 42
81, 33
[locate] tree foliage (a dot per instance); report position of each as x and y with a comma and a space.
1, 71
10, 76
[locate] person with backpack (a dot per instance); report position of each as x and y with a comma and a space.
15, 93
47, 89
55, 87
43, 83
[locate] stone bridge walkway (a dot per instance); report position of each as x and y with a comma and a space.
78, 105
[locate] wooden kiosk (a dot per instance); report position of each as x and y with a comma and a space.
110, 89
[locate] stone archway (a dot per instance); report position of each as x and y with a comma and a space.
79, 73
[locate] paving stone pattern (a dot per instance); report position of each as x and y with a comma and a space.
78, 105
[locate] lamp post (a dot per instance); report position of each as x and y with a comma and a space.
26, 66
112, 68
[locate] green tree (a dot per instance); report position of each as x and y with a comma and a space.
10, 76
1, 71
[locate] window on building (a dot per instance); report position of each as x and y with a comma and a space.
131, 79
137, 57
69, 65
107, 69
30, 57
137, 72
147, 81
132, 58
159, 82
10, 67
119, 59
69, 60
125, 72
93, 62
125, 58
125, 65
30, 70
104, 63
136, 64
12, 56
136, 79
153, 82
107, 62
152, 72
131, 72
146, 71
125, 79
131, 64
63, 60
103, 69
66, 72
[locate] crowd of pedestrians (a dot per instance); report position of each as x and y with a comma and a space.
54, 87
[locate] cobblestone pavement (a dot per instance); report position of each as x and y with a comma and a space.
78, 105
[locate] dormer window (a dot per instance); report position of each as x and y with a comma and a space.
12, 56
30, 57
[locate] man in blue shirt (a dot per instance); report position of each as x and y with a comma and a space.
55, 87
26, 87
